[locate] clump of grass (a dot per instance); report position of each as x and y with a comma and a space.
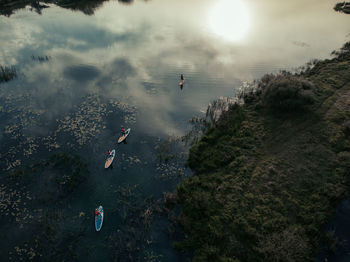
289, 244
7, 73
287, 93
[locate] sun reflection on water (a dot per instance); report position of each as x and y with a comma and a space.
230, 19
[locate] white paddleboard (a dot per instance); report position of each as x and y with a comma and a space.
122, 138
110, 159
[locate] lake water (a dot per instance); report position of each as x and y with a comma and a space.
82, 76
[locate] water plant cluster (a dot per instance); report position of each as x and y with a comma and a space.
343, 7
270, 172
7, 73
132, 241
33, 199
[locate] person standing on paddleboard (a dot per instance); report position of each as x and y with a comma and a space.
181, 84
123, 134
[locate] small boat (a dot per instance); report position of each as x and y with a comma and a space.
110, 159
123, 137
99, 218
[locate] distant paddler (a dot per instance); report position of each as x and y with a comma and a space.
182, 81
99, 214
124, 133
110, 158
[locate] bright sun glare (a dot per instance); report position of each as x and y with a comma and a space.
230, 19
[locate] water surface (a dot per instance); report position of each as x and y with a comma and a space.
82, 77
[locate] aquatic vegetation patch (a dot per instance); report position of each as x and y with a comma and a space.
132, 240
268, 177
86, 122
130, 111
343, 7
41, 59
74, 128
7, 73
55, 177
130, 160
33, 200
170, 158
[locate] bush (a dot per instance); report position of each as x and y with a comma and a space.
287, 93
288, 245
346, 128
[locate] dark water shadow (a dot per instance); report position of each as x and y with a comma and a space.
337, 247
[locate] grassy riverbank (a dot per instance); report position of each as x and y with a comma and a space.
270, 173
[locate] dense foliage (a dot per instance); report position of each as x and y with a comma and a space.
270, 173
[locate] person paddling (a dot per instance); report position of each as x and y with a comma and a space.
181, 84
123, 134
108, 153
96, 212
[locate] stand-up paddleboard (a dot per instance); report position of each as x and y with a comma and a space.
110, 159
99, 218
122, 138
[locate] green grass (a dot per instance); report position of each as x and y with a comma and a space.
269, 175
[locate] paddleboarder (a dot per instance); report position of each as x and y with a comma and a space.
181, 84
123, 133
99, 218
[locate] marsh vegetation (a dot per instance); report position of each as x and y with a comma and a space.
34, 199
270, 172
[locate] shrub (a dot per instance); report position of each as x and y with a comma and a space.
287, 93
289, 245
346, 128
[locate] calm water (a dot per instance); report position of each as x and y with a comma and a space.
82, 77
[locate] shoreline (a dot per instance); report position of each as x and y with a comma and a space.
269, 174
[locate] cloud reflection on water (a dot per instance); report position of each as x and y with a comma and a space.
138, 53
